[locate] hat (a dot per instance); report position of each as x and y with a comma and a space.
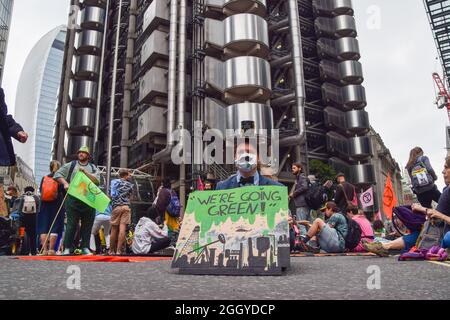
340, 174
84, 149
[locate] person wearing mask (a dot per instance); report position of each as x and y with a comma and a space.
8, 129
52, 195
29, 206
121, 212
422, 178
247, 174
345, 193
77, 210
301, 187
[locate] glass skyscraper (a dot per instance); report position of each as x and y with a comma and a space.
36, 99
6, 7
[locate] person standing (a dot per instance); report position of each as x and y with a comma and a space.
301, 187
422, 177
102, 219
77, 210
121, 212
345, 193
8, 129
28, 208
52, 195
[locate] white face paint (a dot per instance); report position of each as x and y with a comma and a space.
246, 162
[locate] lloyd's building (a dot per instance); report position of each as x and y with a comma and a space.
136, 70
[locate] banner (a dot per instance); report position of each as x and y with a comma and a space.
82, 188
242, 231
366, 198
389, 198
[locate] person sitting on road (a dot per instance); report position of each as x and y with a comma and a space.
366, 228
148, 236
406, 242
330, 234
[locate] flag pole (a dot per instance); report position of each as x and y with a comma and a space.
53, 223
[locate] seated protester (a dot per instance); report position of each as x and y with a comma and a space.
330, 234
366, 228
378, 229
406, 242
148, 236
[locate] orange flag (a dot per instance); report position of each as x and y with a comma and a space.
389, 198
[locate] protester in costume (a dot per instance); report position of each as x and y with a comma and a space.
121, 213
76, 210
247, 161
52, 195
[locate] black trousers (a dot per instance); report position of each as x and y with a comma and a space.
159, 244
426, 198
28, 221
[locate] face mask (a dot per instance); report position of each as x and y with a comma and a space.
246, 162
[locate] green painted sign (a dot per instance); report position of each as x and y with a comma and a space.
236, 231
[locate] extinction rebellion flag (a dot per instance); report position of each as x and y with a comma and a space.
82, 188
366, 198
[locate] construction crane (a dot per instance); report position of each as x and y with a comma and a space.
443, 97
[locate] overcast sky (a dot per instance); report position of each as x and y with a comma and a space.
398, 57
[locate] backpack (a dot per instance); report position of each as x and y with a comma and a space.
174, 207
29, 204
432, 234
49, 189
420, 175
315, 196
354, 233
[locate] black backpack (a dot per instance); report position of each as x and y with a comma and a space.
354, 233
315, 196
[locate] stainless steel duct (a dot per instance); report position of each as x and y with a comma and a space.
128, 86
182, 97
113, 100
297, 57
100, 84
166, 152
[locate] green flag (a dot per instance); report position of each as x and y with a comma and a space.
82, 188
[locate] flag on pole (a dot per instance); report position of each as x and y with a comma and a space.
200, 184
366, 198
389, 198
82, 188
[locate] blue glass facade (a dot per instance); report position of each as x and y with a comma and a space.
36, 100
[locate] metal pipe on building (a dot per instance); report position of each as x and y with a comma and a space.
297, 57
182, 96
124, 144
100, 85
171, 105
113, 99
63, 99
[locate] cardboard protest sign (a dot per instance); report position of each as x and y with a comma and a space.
242, 231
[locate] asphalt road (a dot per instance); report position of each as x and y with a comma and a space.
309, 278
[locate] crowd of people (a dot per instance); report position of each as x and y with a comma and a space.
324, 216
